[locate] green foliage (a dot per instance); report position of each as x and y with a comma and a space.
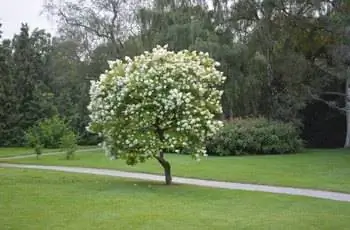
24, 95
68, 143
255, 136
40, 77
256, 42
33, 136
48, 132
52, 130
174, 95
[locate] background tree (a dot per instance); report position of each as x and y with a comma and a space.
8, 109
69, 83
93, 22
30, 56
335, 60
25, 96
281, 59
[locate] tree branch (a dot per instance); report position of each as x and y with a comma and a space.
331, 104
337, 94
160, 158
334, 94
114, 18
82, 25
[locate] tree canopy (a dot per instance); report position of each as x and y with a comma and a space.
158, 102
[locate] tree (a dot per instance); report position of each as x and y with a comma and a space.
69, 83
335, 60
155, 103
30, 57
262, 26
191, 25
69, 144
176, 23
93, 22
24, 95
8, 110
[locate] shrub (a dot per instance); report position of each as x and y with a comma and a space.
34, 140
69, 144
52, 130
255, 136
48, 132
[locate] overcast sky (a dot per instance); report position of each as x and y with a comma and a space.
14, 12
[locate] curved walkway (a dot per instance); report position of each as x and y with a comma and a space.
180, 180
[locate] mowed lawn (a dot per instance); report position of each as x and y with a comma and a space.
16, 151
33, 199
322, 169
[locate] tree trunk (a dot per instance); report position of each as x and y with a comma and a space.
165, 164
347, 110
167, 169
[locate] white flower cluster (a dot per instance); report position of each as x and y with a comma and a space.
160, 100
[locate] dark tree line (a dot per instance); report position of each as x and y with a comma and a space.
41, 76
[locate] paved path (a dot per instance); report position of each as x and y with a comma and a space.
44, 154
180, 180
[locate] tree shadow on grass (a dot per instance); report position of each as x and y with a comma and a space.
132, 185
64, 158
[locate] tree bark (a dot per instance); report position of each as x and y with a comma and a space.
164, 163
347, 110
167, 168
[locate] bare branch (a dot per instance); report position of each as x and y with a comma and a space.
347, 98
334, 94
80, 24
331, 104
93, 21
114, 18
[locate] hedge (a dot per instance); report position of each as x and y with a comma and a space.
252, 136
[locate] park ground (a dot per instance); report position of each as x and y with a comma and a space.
33, 199
22, 151
318, 169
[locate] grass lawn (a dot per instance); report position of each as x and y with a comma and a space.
15, 151
32, 199
322, 169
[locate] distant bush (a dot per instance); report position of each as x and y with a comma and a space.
255, 136
47, 133
68, 144
34, 140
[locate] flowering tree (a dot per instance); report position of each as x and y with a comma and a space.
160, 101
